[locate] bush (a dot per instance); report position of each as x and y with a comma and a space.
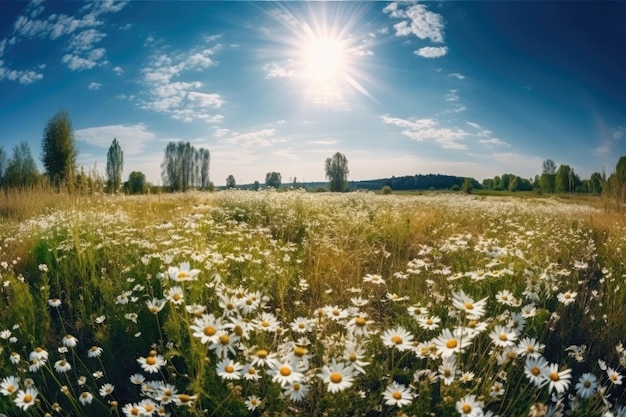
386, 190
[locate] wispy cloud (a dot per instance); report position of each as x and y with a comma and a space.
431, 51
273, 70
429, 130
181, 100
132, 138
493, 143
457, 76
94, 86
258, 138
614, 136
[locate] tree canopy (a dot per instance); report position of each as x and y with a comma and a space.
337, 172
59, 150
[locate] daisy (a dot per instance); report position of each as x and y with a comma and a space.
229, 305
94, 352
285, 372
123, 297
359, 325
131, 410
54, 302
250, 373
428, 323
137, 379
174, 295
225, 343
335, 313
447, 370
9, 385
152, 363
528, 311
374, 279
62, 366
70, 341
301, 325
614, 376
182, 273
106, 389
147, 407
15, 358
35, 364
450, 342
238, 326
502, 336
266, 322
296, 391
206, 328
398, 338
474, 309
398, 395
535, 369
229, 369
155, 305
567, 297
165, 393
337, 375
505, 297
26, 398
253, 402
263, 358
85, 398
558, 380
587, 385
469, 407
354, 354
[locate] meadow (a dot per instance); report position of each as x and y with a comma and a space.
242, 303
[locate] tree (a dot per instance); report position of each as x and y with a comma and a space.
467, 186
3, 164
115, 166
595, 183
548, 167
337, 172
256, 186
205, 160
137, 183
21, 170
273, 179
230, 181
59, 150
184, 166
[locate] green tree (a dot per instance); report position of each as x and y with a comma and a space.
256, 186
337, 172
467, 186
137, 183
115, 166
230, 181
273, 179
21, 170
3, 164
595, 183
184, 166
548, 167
59, 150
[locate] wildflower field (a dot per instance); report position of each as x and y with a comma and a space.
271, 303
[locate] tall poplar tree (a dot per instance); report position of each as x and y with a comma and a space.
59, 150
115, 166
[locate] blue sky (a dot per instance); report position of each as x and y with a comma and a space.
463, 88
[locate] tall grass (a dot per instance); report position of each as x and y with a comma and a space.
350, 269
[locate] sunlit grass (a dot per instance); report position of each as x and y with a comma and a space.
347, 304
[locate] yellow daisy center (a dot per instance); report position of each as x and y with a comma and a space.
229, 368
466, 408
299, 351
396, 339
535, 371
451, 344
360, 321
150, 360
28, 398
503, 337
285, 371
262, 353
397, 395
587, 384
335, 377
468, 305
224, 339
554, 376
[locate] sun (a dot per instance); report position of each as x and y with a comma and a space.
324, 60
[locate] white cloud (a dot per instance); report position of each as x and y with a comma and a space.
205, 100
493, 142
274, 70
132, 138
457, 75
85, 40
79, 63
429, 130
258, 138
432, 51
94, 86
474, 125
118, 71
420, 22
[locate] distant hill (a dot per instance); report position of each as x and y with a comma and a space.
409, 182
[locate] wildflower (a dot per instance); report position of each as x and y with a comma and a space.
354, 355
474, 309
39, 353
9, 385
285, 372
528, 311
374, 279
206, 328
123, 297
182, 273
152, 363
567, 297
131, 316
296, 391
587, 385
614, 376
450, 342
502, 336
85, 398
398, 338
240, 327
301, 325
359, 325
359, 301
335, 313
137, 379
70, 341
174, 295
62, 366
530, 347
26, 398
447, 370
398, 395
263, 358
54, 302
131, 410
250, 373
559, 381
337, 375
225, 343
94, 352
185, 399
35, 364
253, 402
155, 305
505, 297
577, 352
266, 322
146, 407
106, 389
15, 358
468, 406
535, 369
428, 323
496, 389
229, 369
